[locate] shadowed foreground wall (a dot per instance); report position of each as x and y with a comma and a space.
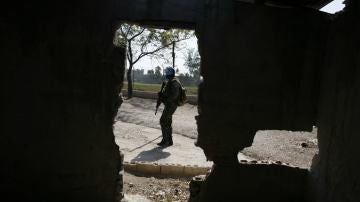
279, 69
336, 170
60, 80
261, 67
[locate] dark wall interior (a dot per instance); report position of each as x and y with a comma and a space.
284, 69
60, 80
336, 169
263, 68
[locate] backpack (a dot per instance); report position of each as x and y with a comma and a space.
182, 97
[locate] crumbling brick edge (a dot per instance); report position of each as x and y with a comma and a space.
147, 169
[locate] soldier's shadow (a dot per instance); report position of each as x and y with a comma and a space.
151, 155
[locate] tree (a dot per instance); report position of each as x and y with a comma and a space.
141, 42
192, 62
158, 71
150, 72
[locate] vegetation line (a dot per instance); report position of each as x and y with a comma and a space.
190, 90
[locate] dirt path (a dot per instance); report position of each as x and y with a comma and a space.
296, 148
142, 112
138, 143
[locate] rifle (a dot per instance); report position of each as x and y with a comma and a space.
158, 103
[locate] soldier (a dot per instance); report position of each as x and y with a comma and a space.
170, 98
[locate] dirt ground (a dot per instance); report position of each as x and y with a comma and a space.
296, 148
156, 189
139, 143
142, 112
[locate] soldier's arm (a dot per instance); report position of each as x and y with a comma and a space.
166, 94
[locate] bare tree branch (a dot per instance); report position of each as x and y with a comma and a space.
127, 33
122, 31
143, 54
142, 47
149, 53
136, 35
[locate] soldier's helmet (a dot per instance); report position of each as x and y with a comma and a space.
169, 71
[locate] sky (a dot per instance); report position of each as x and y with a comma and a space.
147, 63
334, 6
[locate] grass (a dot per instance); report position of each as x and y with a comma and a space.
190, 90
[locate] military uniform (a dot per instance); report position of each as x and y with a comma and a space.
170, 98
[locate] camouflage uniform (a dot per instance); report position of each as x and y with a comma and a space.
170, 99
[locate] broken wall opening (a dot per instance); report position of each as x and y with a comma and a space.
151, 50
296, 148
138, 130
136, 116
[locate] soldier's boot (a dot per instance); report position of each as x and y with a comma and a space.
170, 141
167, 143
161, 143
163, 140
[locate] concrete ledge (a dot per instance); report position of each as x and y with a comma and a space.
191, 99
194, 170
164, 170
172, 170
130, 167
148, 169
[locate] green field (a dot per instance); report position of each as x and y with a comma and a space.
190, 90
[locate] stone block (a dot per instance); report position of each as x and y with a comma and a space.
172, 170
148, 169
191, 171
131, 167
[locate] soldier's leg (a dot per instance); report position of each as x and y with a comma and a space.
169, 131
172, 110
164, 123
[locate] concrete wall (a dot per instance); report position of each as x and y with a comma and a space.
60, 81
261, 71
336, 169
251, 182
159, 13
280, 69
277, 68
